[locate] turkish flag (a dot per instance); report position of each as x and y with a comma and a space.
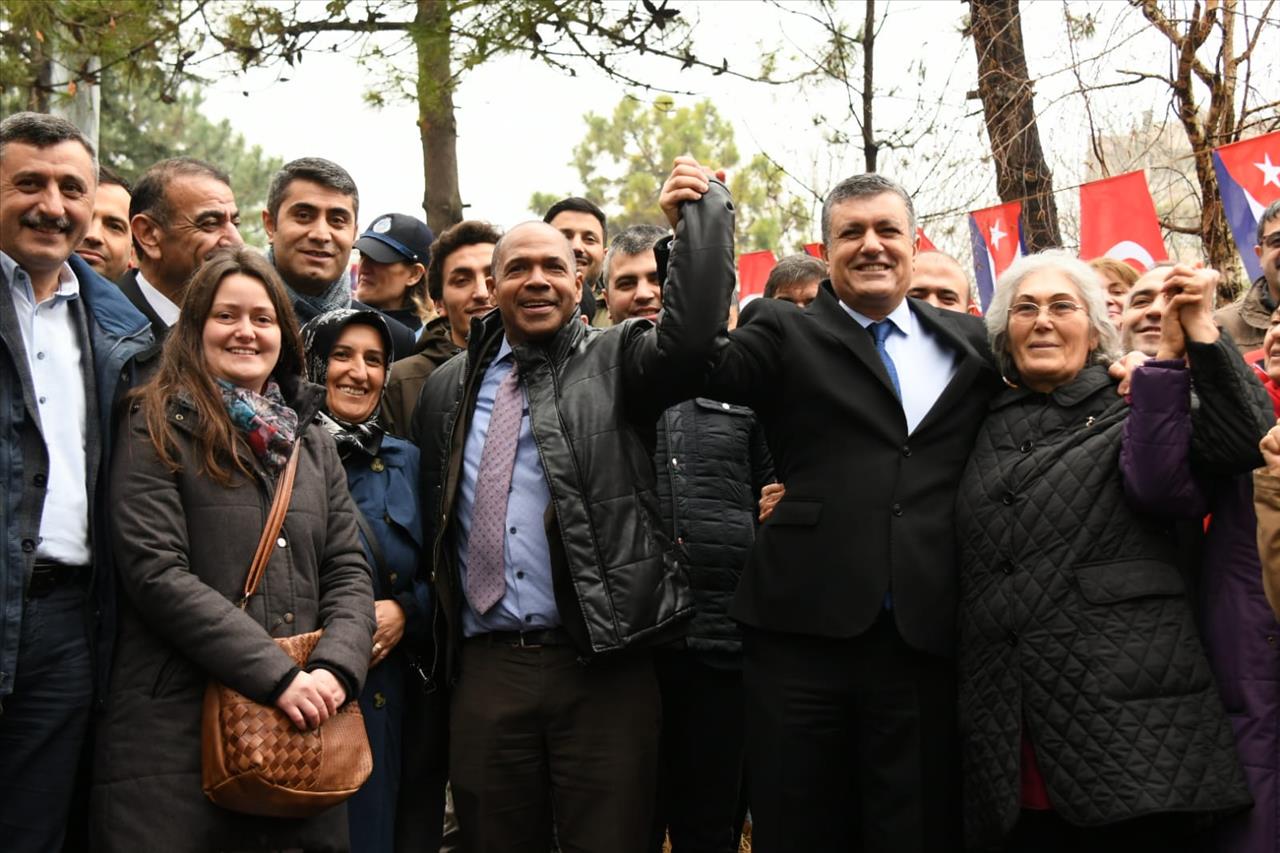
923, 243
1249, 180
753, 272
1118, 220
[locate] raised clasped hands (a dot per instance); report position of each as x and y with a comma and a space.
1188, 315
687, 182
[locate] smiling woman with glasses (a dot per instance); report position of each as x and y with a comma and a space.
1086, 699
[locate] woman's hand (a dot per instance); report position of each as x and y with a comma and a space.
769, 497
390, 632
311, 698
1270, 447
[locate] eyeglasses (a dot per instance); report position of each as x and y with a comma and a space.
1029, 312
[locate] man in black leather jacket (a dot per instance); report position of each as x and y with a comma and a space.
553, 691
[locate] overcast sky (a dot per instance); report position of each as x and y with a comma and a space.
518, 120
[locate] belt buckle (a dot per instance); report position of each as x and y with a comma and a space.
528, 645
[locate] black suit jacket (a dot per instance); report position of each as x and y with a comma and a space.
129, 287
868, 509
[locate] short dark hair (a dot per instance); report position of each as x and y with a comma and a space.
793, 269
318, 170
632, 241
151, 193
1269, 215
469, 232
108, 175
42, 130
864, 186
577, 204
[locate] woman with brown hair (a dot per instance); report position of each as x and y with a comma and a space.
193, 477
1118, 279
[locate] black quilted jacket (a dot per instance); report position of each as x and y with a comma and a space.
712, 462
1075, 625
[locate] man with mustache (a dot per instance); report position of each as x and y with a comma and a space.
108, 244
68, 342
182, 210
311, 222
583, 224
553, 581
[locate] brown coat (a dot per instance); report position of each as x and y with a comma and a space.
1266, 503
183, 546
1246, 319
408, 375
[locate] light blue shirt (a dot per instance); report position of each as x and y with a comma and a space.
52, 341
925, 364
529, 603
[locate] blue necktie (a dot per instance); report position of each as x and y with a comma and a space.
881, 331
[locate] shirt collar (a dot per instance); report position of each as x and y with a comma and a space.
503, 351
166, 309
68, 284
901, 317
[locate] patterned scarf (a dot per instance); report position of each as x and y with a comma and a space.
319, 337
336, 295
268, 424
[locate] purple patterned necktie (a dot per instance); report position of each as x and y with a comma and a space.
486, 582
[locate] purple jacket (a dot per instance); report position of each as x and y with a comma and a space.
1239, 629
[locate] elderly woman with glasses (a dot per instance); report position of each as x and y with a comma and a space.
1089, 718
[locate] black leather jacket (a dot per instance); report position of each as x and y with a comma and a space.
594, 397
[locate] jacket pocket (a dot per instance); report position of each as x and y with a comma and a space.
795, 512
1138, 630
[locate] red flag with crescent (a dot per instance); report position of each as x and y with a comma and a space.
1118, 220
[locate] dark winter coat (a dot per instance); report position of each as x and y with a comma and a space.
183, 546
1076, 624
712, 461
119, 341
1248, 318
594, 396
408, 375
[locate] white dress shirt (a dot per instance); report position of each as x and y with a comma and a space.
161, 304
52, 340
925, 364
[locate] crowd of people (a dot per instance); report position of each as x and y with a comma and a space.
606, 566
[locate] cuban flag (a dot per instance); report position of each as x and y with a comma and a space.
1249, 180
753, 272
996, 233
1118, 220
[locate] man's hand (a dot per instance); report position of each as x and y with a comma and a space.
687, 182
390, 616
769, 497
1189, 292
1123, 370
1270, 447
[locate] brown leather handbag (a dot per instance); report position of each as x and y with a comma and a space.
255, 760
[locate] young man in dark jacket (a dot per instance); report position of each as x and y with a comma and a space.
543, 527
68, 343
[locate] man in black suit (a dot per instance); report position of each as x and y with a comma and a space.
182, 210
871, 402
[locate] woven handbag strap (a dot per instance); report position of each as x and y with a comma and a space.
275, 520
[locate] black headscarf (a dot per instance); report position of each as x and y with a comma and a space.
318, 339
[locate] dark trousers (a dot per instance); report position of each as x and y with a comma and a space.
1045, 832
44, 721
851, 744
536, 737
700, 772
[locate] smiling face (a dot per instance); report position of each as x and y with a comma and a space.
311, 235
1049, 350
586, 237
241, 333
1144, 307
107, 245
633, 289
203, 218
871, 252
535, 285
46, 204
357, 373
464, 291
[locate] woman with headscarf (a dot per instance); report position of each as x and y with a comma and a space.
347, 354
197, 462
1090, 719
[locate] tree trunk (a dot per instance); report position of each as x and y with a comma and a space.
436, 125
1009, 110
870, 148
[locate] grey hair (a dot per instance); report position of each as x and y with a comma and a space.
42, 131
1269, 215
635, 240
793, 269
1087, 284
864, 186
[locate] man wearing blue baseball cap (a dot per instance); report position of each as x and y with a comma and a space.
394, 252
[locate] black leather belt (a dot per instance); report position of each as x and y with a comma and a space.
523, 639
46, 576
